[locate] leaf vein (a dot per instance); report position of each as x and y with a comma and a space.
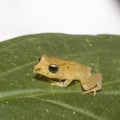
111, 82
14, 69
70, 107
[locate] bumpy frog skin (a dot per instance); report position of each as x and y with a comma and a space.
68, 70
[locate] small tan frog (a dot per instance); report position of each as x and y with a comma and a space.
68, 71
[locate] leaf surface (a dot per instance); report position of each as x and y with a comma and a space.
23, 97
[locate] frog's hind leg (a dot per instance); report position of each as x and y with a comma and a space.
93, 83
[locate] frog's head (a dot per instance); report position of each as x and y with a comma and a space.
47, 67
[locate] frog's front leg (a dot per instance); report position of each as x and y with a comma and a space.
93, 83
62, 84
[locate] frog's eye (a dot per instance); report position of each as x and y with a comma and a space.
39, 59
53, 68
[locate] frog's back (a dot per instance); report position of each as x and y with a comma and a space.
73, 70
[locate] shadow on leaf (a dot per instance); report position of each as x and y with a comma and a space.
43, 78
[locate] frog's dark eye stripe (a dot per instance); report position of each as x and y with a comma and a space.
53, 68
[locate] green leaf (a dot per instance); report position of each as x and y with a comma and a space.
23, 97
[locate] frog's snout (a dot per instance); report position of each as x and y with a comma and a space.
36, 69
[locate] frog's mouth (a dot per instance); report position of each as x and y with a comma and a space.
42, 78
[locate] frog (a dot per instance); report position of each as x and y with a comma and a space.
66, 71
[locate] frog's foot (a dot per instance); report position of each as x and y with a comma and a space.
56, 83
62, 84
92, 90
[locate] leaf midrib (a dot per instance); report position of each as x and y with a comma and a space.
40, 92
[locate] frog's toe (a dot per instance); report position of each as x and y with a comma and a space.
54, 83
92, 90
